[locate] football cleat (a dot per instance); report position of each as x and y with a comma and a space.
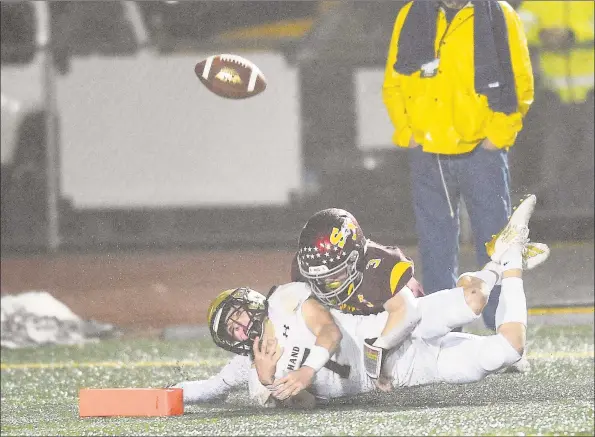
516, 230
534, 254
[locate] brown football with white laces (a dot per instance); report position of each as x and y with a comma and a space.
231, 76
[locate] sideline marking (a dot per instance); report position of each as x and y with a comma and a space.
218, 362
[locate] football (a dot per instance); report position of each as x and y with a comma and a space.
231, 76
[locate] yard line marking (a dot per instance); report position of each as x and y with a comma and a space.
115, 364
554, 355
220, 362
543, 311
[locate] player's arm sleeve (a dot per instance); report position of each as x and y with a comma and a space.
233, 374
392, 90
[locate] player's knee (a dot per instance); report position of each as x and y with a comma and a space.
476, 294
496, 352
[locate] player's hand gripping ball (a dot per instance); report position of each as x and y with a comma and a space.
231, 76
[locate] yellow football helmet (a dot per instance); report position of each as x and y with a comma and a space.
227, 303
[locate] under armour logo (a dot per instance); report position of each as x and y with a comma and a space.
285, 329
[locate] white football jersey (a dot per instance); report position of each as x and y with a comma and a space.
285, 312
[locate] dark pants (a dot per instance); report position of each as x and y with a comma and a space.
482, 179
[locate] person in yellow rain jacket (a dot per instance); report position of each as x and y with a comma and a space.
561, 34
458, 82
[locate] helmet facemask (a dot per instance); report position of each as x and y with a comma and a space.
334, 286
331, 251
237, 301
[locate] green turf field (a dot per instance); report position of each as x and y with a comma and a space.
40, 389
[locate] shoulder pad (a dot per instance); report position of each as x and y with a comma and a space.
288, 297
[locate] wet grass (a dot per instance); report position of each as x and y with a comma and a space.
556, 398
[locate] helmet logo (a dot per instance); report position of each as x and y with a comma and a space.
339, 236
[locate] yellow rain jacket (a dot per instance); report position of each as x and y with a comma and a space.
444, 113
569, 73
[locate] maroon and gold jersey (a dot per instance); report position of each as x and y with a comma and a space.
386, 271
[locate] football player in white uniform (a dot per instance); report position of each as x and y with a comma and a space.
297, 343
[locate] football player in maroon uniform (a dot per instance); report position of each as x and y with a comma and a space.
345, 269
356, 275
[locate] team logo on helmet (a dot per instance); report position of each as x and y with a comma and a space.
339, 236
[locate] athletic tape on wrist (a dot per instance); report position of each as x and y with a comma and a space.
317, 358
373, 358
382, 342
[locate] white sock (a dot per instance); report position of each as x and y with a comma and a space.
512, 258
512, 306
